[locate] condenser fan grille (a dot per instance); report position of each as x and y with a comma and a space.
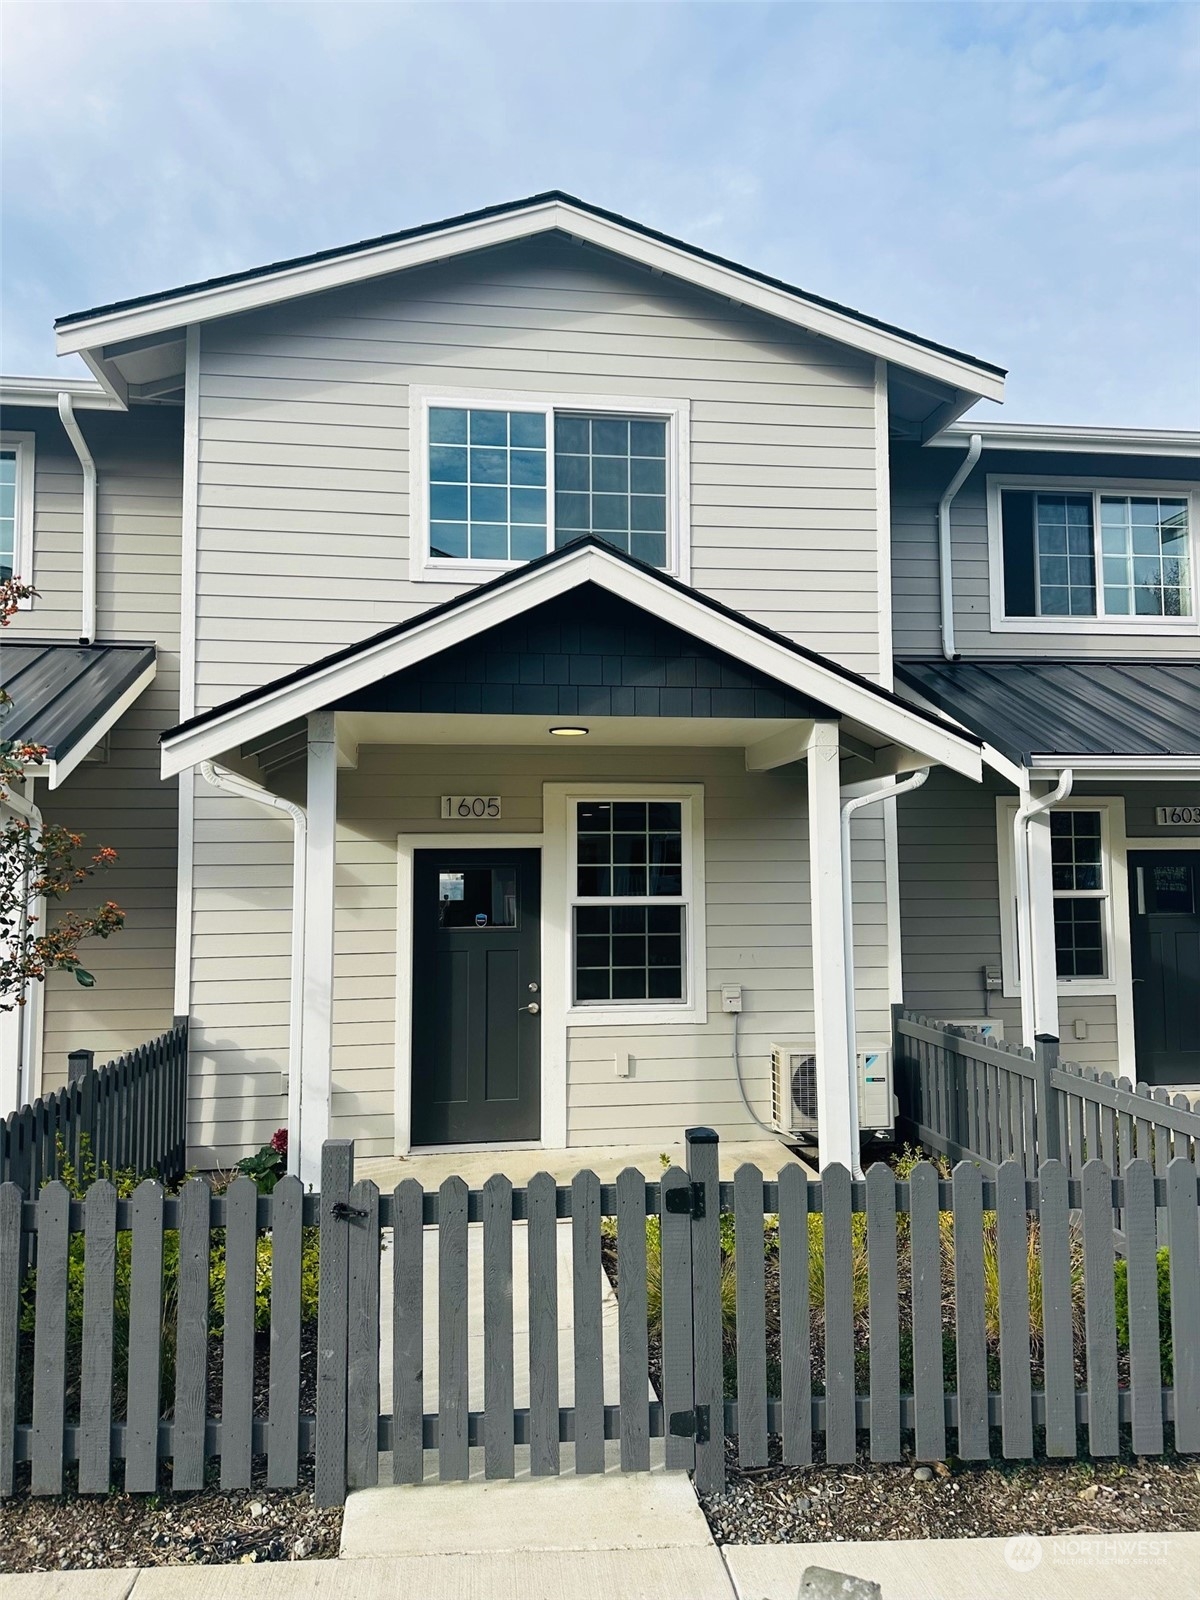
804, 1087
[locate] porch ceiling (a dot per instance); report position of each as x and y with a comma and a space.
404, 727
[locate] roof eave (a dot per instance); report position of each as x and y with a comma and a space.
487, 230
1074, 440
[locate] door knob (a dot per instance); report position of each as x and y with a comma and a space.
533, 1008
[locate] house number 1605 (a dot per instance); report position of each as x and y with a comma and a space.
471, 807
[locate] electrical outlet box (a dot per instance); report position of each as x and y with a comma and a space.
993, 979
731, 997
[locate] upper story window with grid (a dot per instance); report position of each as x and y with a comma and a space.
500, 480
1114, 557
16, 506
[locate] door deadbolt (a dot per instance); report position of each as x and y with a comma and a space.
533, 988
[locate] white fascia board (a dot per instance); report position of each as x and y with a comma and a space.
895, 723
85, 395
204, 304
62, 766
1065, 440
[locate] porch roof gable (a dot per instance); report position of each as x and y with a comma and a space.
834, 690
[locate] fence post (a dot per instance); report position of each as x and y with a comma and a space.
337, 1174
1049, 1128
708, 1377
80, 1070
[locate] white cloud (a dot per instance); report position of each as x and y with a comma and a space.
1020, 181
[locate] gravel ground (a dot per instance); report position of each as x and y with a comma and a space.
71, 1531
958, 1500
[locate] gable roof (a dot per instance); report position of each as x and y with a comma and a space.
145, 315
332, 679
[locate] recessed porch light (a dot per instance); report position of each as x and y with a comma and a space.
569, 732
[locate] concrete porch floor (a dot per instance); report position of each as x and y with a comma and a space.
606, 1161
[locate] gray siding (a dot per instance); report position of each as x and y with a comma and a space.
121, 800
303, 467
758, 934
919, 478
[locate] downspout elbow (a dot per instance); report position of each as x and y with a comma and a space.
945, 556
87, 609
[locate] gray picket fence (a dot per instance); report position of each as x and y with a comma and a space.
904, 1311
967, 1096
132, 1113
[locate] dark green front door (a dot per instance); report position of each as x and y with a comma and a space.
1164, 913
476, 1068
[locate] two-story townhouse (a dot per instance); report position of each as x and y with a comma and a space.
529, 695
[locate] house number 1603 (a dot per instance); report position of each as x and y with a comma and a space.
471, 807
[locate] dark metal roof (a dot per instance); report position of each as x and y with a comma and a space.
518, 575
501, 210
1068, 708
61, 691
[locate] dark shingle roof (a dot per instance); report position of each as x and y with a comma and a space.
1080, 708
60, 691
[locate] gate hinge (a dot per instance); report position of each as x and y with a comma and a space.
691, 1424
688, 1199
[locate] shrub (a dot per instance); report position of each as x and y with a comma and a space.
1121, 1285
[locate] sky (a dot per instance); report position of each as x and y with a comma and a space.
1018, 181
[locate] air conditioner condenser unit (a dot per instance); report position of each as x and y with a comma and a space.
794, 1105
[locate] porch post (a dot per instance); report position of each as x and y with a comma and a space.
317, 1048
1042, 1004
826, 870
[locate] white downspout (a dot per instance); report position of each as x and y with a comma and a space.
945, 558
26, 1067
231, 783
87, 615
1026, 810
886, 791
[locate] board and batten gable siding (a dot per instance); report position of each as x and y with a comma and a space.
757, 925
119, 801
950, 917
919, 478
303, 436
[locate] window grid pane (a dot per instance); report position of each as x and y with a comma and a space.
629, 848
8, 513
487, 484
1080, 892
1079, 937
1075, 850
610, 477
1066, 559
632, 952
1144, 543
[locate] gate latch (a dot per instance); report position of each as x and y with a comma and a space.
343, 1212
687, 1199
690, 1424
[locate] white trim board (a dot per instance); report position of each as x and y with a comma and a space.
206, 302
485, 608
554, 1097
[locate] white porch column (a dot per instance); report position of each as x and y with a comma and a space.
826, 871
1039, 1009
316, 1057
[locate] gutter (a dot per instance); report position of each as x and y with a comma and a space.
945, 568
87, 619
231, 783
886, 791
1026, 811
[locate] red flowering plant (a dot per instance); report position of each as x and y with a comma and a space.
267, 1165
39, 863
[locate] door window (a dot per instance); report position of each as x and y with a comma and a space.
477, 897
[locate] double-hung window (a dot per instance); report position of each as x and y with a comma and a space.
1118, 556
16, 506
501, 480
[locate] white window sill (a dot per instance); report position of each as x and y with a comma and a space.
1151, 627
634, 1015
1072, 986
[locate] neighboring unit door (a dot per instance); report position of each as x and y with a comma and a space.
476, 1012
1164, 913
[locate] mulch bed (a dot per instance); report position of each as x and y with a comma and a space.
204, 1527
960, 1500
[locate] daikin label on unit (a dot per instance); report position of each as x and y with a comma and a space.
471, 807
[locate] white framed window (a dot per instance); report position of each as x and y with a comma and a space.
498, 478
1108, 556
630, 859
16, 507
1087, 868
